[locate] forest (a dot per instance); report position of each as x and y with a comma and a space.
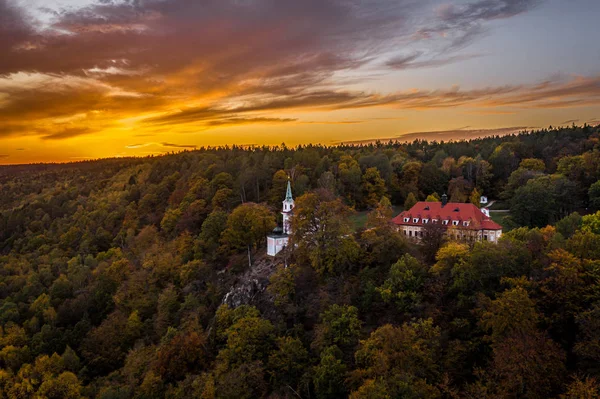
126, 278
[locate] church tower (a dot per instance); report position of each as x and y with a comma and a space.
288, 206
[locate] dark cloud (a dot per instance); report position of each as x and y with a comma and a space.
461, 24
15, 29
462, 134
247, 121
447, 135
549, 94
111, 60
66, 133
179, 145
414, 61
484, 10
569, 121
215, 35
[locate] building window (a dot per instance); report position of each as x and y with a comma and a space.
421, 234
410, 233
455, 222
425, 221
415, 220
406, 220
465, 223
445, 222
485, 237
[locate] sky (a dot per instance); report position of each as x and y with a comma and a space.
87, 79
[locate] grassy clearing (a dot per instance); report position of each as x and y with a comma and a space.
499, 206
498, 217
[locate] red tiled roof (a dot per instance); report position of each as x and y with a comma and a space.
452, 211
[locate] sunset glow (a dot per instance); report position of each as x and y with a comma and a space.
82, 79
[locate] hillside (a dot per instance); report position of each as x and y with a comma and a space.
148, 277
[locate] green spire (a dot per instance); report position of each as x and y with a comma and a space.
288, 193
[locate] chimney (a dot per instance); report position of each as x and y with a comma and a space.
444, 200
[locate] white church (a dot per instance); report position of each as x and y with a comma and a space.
279, 239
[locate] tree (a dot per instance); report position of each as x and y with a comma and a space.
211, 231
525, 362
458, 188
404, 284
568, 225
533, 204
170, 220
322, 233
483, 176
179, 355
587, 346
371, 389
448, 257
594, 196
432, 241
65, 386
457, 196
339, 326
329, 374
403, 360
475, 198
247, 227
533, 164
222, 198
282, 287
513, 313
381, 216
373, 187
287, 364
433, 198
432, 179
409, 180
410, 201
580, 388
278, 187
591, 223
350, 178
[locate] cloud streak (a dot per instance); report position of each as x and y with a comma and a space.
144, 66
447, 135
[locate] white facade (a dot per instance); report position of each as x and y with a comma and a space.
288, 207
277, 241
276, 244
416, 233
